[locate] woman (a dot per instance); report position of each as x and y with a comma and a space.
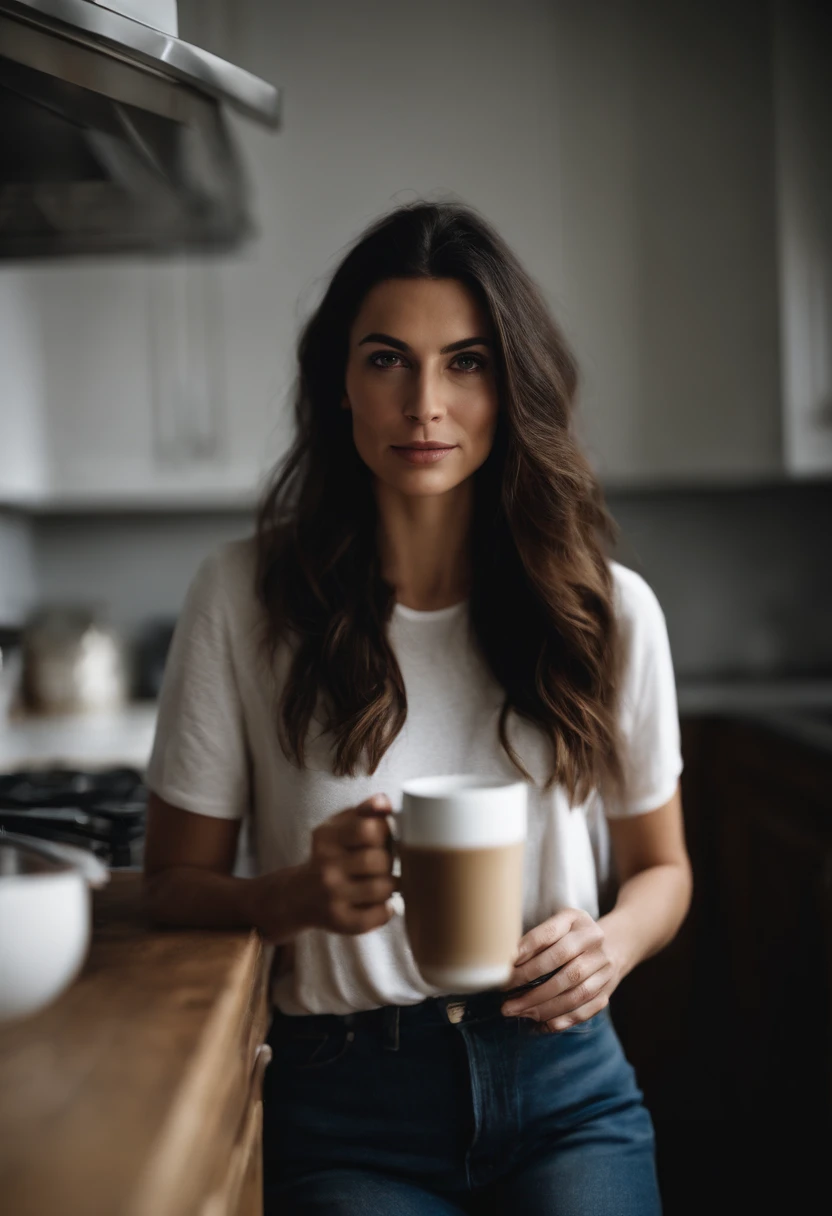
427, 592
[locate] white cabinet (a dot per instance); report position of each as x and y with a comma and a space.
23, 472
119, 389
187, 362
92, 329
803, 108
669, 288
210, 437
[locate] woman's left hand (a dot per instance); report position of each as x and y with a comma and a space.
587, 974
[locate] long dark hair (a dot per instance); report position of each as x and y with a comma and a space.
541, 597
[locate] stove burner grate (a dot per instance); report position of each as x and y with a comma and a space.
102, 810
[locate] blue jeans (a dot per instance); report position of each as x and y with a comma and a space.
405, 1111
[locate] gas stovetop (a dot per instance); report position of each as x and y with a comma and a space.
102, 810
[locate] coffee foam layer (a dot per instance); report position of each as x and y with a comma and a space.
462, 812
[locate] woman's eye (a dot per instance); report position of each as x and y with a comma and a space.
476, 360
479, 363
383, 354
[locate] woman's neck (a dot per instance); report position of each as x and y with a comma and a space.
424, 545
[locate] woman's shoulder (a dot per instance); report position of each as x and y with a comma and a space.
232, 559
225, 578
637, 606
643, 633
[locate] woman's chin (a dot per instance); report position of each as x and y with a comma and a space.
426, 484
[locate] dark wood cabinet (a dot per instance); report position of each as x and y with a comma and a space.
730, 1028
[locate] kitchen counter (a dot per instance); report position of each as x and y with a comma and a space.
100, 739
797, 709
137, 1093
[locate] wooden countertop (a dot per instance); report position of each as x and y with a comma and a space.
118, 1099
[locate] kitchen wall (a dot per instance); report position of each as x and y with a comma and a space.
743, 574
18, 578
650, 228
131, 567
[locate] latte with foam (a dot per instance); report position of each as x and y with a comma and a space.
462, 843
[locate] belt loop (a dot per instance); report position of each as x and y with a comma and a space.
391, 1028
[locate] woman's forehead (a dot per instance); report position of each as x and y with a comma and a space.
425, 307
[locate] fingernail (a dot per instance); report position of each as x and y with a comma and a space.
380, 800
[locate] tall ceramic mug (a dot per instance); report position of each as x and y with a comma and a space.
461, 842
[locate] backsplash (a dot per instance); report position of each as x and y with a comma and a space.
133, 567
743, 575
18, 579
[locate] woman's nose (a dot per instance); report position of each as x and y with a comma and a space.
424, 403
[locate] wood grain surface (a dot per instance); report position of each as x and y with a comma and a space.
126, 1096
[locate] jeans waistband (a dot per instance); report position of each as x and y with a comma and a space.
388, 1020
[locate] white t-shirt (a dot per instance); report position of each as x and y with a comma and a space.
216, 753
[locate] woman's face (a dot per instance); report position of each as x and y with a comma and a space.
421, 384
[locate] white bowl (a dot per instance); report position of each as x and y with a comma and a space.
45, 928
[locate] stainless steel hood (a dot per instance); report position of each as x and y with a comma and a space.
113, 136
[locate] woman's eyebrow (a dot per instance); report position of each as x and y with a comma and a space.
446, 350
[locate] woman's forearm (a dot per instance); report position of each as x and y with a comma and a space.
648, 913
185, 896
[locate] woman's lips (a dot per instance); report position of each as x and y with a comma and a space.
423, 455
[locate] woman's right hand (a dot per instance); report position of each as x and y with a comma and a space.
347, 882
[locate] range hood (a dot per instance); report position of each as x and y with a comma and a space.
113, 136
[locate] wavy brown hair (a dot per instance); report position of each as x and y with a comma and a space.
541, 596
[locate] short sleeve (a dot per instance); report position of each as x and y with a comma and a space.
199, 760
648, 708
